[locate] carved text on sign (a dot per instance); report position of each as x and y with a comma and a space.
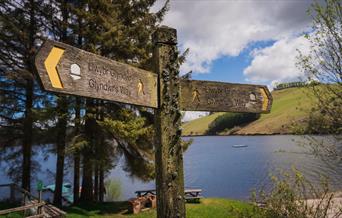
216, 96
77, 72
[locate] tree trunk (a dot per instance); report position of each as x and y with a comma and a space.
96, 183
62, 111
87, 179
88, 156
28, 120
77, 162
61, 134
27, 140
102, 187
77, 159
101, 170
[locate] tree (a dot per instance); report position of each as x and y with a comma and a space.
19, 35
123, 32
120, 30
324, 64
62, 108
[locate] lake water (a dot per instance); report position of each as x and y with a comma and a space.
212, 164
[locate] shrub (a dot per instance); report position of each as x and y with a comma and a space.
293, 196
230, 120
113, 190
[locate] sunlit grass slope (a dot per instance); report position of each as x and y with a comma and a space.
200, 125
289, 106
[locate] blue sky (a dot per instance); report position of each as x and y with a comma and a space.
246, 41
230, 68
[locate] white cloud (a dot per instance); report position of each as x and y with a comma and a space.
191, 115
212, 29
276, 63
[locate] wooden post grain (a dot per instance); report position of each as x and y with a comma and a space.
169, 153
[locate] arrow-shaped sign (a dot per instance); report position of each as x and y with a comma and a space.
217, 96
66, 69
51, 66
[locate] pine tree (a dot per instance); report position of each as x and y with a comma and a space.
120, 30
19, 35
123, 32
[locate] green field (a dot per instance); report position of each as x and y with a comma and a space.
290, 106
209, 207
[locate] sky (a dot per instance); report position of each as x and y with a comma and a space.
241, 41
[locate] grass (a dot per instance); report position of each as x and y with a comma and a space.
289, 106
200, 125
209, 207
5, 205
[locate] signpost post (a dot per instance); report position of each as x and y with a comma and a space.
168, 148
69, 70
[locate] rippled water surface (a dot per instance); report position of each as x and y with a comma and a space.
211, 163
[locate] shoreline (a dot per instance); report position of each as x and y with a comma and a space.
258, 134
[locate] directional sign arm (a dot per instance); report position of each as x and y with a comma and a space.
66, 69
199, 95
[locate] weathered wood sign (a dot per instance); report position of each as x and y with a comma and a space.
198, 95
66, 69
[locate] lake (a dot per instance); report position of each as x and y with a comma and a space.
211, 163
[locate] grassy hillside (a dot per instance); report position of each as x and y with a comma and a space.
289, 106
200, 125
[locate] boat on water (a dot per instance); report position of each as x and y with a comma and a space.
239, 146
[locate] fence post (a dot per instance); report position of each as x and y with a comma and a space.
168, 148
39, 210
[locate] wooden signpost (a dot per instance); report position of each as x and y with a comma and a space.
66, 69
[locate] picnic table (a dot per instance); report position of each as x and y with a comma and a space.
190, 194
193, 194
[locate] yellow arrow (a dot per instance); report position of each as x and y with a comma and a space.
51, 66
265, 99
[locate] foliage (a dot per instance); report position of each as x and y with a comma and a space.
324, 64
119, 30
21, 99
200, 125
293, 196
230, 120
325, 117
289, 85
134, 140
113, 190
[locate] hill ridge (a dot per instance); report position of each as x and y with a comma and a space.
291, 105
